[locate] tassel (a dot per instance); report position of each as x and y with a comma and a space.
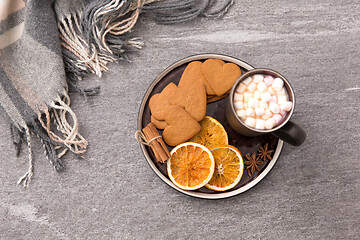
98, 34
26, 178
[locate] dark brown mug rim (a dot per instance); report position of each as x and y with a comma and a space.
274, 74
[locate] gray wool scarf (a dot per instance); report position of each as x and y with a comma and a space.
47, 46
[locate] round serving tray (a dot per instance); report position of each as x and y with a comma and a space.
246, 145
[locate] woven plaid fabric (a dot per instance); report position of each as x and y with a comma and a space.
45, 46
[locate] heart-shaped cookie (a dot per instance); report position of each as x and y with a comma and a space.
193, 73
160, 101
221, 77
181, 126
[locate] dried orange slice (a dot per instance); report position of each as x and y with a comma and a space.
190, 166
229, 168
212, 133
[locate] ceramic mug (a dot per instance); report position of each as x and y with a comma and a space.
285, 130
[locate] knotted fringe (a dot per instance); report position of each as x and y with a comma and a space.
91, 38
55, 144
98, 34
26, 178
70, 139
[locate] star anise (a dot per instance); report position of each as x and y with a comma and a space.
264, 153
253, 163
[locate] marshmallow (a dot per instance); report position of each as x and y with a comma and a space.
238, 97
241, 88
274, 107
266, 96
247, 96
250, 121
268, 114
277, 84
250, 112
282, 112
263, 104
282, 91
271, 90
270, 123
247, 80
281, 99
286, 106
268, 80
273, 99
259, 111
261, 87
277, 118
251, 87
238, 105
241, 113
260, 124
253, 103
258, 78
256, 95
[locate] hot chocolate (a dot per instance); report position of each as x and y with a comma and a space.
261, 101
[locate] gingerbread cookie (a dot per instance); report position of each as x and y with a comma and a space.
181, 126
221, 77
160, 101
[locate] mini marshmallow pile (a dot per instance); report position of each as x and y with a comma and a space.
261, 101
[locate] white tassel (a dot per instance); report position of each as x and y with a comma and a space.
26, 178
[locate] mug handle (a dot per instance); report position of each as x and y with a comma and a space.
291, 133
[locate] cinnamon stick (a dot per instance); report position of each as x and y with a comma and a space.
149, 136
156, 143
160, 140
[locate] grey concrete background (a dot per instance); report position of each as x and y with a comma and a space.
311, 193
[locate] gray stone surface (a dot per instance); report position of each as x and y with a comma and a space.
311, 193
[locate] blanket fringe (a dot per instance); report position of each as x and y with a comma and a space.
91, 38
71, 138
98, 34
55, 145
26, 178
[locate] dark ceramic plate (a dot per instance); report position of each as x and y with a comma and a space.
246, 145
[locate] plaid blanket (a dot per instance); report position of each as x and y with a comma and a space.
47, 46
